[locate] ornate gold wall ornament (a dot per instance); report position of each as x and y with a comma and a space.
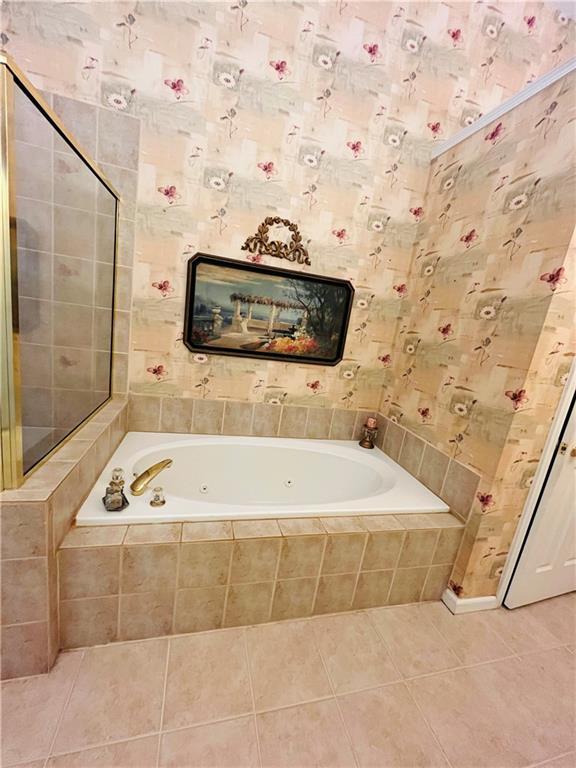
262, 246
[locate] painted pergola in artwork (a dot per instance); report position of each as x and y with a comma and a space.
275, 305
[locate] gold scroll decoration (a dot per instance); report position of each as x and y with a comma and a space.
260, 244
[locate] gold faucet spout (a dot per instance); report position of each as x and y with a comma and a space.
140, 483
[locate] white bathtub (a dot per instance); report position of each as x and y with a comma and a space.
235, 478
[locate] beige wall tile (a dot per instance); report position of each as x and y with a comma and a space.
433, 469
436, 582
237, 418
153, 534
219, 529
342, 427
381, 523
90, 621
24, 590
204, 563
199, 609
255, 560
304, 526
293, 421
372, 589
266, 419
393, 440
176, 414
342, 524
89, 572
23, 529
118, 138
382, 550
207, 417
407, 585
411, 454
24, 650
293, 599
418, 548
301, 556
319, 420
459, 489
143, 413
249, 529
447, 546
82, 116
148, 567
334, 593
146, 614
343, 553
248, 603
98, 536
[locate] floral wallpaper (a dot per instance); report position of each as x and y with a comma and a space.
324, 113
480, 359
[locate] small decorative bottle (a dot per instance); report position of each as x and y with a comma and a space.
370, 432
114, 499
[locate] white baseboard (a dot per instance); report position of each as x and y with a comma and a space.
468, 604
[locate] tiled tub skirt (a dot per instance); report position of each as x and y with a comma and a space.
137, 581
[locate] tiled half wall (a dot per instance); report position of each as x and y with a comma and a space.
130, 582
34, 520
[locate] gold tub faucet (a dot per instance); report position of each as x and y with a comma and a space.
140, 483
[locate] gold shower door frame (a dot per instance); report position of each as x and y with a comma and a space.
11, 458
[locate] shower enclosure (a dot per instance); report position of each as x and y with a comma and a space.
59, 218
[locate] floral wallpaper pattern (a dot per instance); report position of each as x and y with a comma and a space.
324, 113
482, 356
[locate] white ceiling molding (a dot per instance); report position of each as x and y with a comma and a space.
526, 93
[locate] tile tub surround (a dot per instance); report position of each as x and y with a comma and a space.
397, 686
132, 582
34, 520
452, 481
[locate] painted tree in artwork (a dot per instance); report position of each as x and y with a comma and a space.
325, 305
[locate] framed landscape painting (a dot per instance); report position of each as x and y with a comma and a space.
235, 308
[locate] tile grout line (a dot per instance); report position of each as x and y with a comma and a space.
228, 582
335, 698
65, 706
275, 579
319, 575
163, 707
180, 546
252, 696
359, 572
428, 725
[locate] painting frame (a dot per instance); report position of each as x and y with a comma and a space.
193, 335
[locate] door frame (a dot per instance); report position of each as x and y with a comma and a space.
567, 400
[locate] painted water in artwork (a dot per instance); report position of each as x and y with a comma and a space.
261, 311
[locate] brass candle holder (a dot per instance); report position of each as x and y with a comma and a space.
370, 429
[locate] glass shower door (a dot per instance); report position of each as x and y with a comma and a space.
63, 239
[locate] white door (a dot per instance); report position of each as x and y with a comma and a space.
547, 564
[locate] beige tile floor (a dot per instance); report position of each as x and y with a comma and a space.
389, 687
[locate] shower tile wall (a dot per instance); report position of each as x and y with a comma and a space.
65, 250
